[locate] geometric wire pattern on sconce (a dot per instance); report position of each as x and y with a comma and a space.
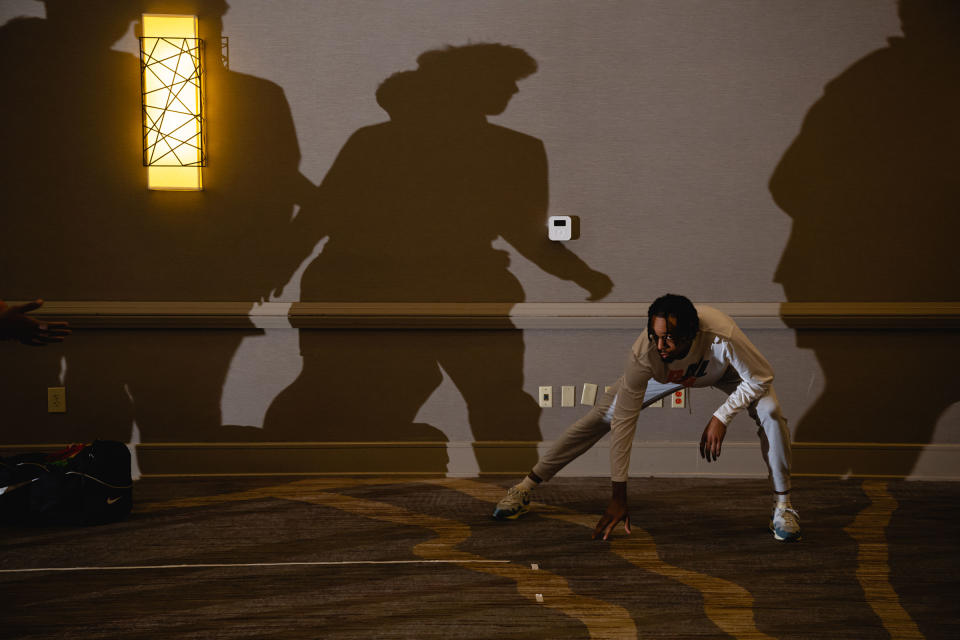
171, 72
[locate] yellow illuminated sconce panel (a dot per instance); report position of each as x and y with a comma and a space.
171, 87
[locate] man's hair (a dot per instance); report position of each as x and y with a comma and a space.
403, 94
462, 62
688, 322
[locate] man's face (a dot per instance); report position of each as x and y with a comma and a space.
494, 93
669, 346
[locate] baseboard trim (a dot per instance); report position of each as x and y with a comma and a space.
482, 315
651, 459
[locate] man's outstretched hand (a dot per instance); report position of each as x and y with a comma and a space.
616, 512
15, 324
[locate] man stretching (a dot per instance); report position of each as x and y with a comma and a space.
684, 346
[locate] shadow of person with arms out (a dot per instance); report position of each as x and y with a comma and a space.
73, 191
87, 228
412, 207
871, 184
222, 244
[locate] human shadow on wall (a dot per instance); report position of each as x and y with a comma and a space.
71, 178
871, 184
83, 226
229, 242
411, 208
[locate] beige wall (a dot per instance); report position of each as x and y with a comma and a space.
663, 124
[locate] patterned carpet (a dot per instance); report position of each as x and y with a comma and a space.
391, 558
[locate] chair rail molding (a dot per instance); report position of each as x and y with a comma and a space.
488, 315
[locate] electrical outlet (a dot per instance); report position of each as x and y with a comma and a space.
568, 395
679, 399
56, 399
589, 394
656, 405
546, 397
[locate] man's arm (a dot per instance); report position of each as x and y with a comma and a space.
756, 376
633, 387
321, 205
525, 227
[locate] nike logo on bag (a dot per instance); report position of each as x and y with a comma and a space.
112, 500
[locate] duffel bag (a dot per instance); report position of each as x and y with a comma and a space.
83, 484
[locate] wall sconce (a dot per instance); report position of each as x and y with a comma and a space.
171, 88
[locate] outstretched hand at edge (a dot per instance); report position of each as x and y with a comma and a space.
14, 323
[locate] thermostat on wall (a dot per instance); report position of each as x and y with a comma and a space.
560, 227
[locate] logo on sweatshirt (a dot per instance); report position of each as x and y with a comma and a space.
689, 377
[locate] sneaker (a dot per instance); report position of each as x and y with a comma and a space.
514, 504
785, 524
